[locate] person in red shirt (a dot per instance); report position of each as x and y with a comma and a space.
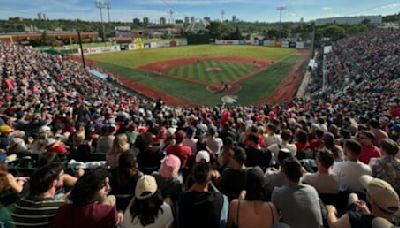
55, 146
181, 151
368, 150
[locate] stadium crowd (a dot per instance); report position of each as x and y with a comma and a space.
78, 151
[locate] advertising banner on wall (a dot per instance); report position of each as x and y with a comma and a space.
292, 44
300, 45
285, 44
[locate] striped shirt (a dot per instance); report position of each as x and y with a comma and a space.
35, 213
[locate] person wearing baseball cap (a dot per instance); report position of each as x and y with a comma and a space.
147, 208
5, 138
384, 203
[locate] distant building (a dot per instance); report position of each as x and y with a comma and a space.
178, 21
348, 20
192, 20
234, 18
302, 20
136, 21
146, 20
208, 19
158, 31
163, 21
187, 20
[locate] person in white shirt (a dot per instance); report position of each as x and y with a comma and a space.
324, 181
190, 140
272, 138
214, 143
146, 209
350, 171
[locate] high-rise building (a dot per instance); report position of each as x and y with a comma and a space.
208, 19
136, 21
187, 20
234, 18
146, 20
163, 21
192, 20
302, 20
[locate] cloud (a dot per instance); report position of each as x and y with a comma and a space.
326, 8
391, 6
189, 2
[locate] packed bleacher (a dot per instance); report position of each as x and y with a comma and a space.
78, 151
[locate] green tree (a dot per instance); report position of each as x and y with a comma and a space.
334, 32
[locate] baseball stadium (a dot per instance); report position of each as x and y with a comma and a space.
199, 114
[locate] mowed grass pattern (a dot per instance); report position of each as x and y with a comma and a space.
211, 71
260, 86
136, 58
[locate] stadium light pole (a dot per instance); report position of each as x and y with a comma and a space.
280, 9
101, 5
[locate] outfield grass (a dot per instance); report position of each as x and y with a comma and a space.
254, 89
258, 87
135, 58
224, 71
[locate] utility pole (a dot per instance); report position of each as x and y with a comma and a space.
280, 9
171, 15
108, 7
100, 4
222, 15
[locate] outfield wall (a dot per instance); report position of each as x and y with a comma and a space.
115, 48
267, 43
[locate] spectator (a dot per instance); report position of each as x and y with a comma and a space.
329, 143
272, 138
202, 199
286, 136
181, 151
212, 141
251, 209
297, 201
227, 153
350, 171
384, 203
169, 180
10, 186
255, 155
120, 146
234, 177
106, 140
125, 179
190, 140
387, 167
39, 208
324, 181
378, 133
368, 150
147, 208
86, 209
276, 177
149, 156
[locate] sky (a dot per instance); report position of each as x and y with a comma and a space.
248, 10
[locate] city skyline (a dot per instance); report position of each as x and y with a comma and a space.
257, 10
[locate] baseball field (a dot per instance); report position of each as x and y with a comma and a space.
203, 74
